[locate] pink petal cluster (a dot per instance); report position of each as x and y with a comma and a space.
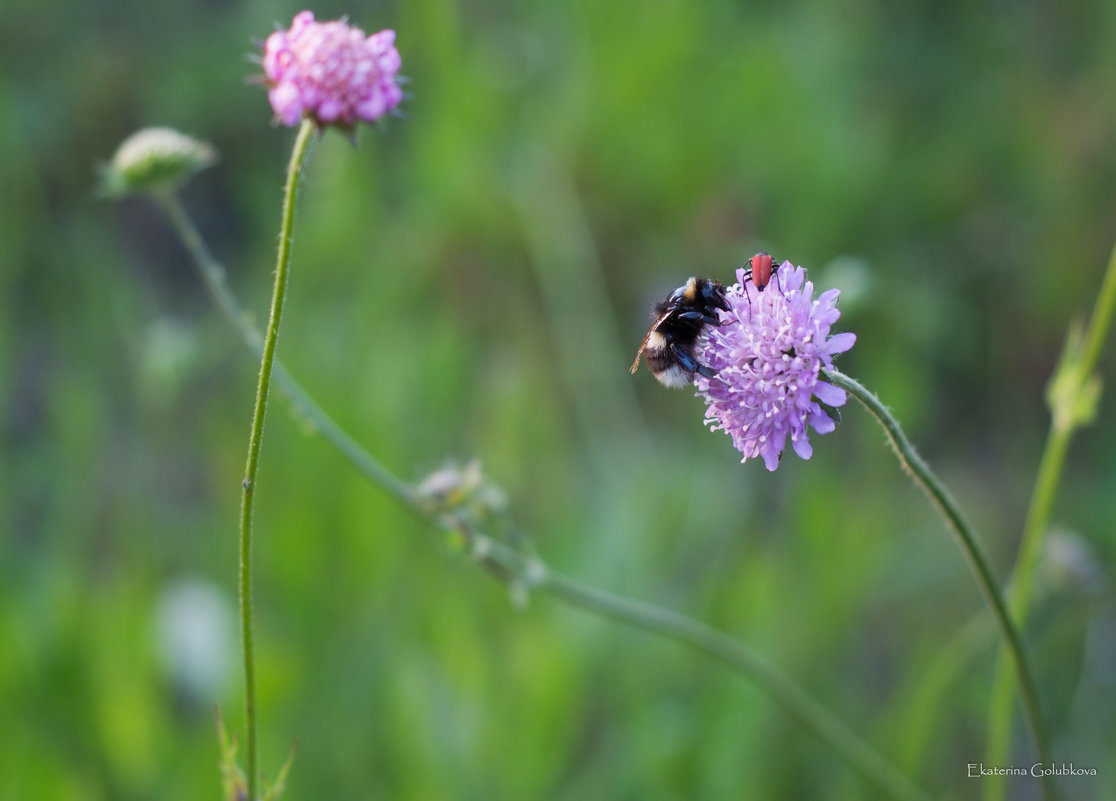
331, 72
768, 352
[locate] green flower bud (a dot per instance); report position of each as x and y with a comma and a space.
155, 160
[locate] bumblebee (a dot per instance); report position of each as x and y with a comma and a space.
678, 322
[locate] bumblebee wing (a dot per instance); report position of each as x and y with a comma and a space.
643, 345
639, 353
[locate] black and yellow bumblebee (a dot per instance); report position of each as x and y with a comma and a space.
678, 321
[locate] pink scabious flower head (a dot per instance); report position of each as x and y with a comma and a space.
768, 352
330, 72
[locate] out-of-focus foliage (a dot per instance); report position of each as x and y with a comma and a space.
472, 282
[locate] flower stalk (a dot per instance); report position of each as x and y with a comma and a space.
792, 698
940, 498
1072, 395
255, 440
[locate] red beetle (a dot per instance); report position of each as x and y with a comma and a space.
762, 265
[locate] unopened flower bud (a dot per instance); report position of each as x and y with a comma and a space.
155, 160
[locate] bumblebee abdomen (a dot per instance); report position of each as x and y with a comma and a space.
668, 371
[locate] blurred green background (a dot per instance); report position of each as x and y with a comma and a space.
473, 281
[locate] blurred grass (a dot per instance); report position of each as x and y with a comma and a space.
473, 281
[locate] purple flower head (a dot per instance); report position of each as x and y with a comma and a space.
768, 352
331, 72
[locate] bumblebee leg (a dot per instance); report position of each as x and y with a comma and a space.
696, 315
689, 363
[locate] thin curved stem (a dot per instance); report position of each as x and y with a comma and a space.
792, 698
511, 566
1078, 364
940, 498
255, 440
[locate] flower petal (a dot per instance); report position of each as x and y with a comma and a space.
829, 394
820, 421
839, 343
801, 445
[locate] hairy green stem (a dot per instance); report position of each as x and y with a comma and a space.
509, 563
940, 498
255, 439
793, 699
511, 566
1079, 364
